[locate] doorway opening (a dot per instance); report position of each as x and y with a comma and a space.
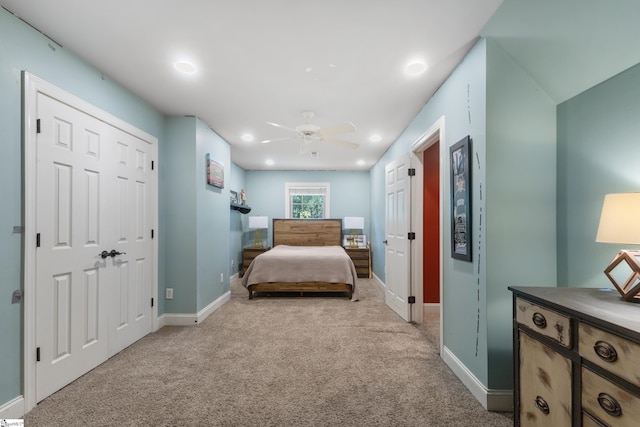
427, 213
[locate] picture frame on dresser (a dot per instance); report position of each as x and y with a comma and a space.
460, 178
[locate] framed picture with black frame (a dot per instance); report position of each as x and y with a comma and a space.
460, 154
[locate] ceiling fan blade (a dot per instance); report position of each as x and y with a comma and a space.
337, 129
347, 144
281, 126
276, 139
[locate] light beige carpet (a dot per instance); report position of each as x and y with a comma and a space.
276, 361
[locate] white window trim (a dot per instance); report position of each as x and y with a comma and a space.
288, 186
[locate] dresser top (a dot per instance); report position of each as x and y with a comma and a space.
597, 305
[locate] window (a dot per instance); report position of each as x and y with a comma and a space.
306, 200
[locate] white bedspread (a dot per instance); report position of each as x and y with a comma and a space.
303, 264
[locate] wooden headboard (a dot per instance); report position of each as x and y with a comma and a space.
307, 232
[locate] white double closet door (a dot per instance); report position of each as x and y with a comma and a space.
93, 194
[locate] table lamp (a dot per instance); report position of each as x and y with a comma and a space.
620, 223
258, 223
353, 223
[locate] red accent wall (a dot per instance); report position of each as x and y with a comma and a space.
431, 226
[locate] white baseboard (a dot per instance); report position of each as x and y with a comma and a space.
431, 308
379, 282
13, 409
188, 319
491, 400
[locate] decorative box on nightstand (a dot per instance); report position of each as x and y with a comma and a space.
361, 258
248, 254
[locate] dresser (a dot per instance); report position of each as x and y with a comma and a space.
361, 258
248, 254
576, 357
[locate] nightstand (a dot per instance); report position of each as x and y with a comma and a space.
248, 254
361, 258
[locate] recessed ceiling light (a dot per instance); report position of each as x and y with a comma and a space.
360, 162
415, 68
247, 137
269, 162
375, 138
185, 67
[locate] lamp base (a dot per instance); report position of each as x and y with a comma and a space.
626, 264
257, 239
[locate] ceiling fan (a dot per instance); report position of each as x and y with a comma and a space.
309, 133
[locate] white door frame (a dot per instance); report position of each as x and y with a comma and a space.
432, 135
33, 85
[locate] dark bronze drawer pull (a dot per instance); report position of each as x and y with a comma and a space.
542, 404
539, 320
609, 404
605, 351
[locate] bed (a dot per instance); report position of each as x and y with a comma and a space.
307, 256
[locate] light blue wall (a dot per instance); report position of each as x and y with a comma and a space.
349, 191
197, 217
599, 153
212, 218
511, 123
23, 48
236, 183
520, 193
461, 99
177, 168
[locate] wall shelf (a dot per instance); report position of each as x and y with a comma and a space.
244, 209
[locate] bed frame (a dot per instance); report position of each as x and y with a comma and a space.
305, 232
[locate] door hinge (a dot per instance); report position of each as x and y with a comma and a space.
152, 233
152, 302
412, 171
412, 300
411, 236
38, 126
152, 164
38, 354
38, 240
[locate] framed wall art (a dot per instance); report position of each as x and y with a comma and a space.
215, 172
461, 199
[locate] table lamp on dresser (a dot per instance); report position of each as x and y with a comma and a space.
620, 223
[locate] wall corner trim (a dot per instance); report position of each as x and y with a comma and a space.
491, 400
190, 319
13, 409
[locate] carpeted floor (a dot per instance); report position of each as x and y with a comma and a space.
276, 361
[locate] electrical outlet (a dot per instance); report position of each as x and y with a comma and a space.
221, 277
168, 294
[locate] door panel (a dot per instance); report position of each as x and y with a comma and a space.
70, 322
397, 226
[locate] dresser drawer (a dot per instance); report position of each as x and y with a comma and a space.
545, 378
611, 352
588, 421
610, 403
544, 321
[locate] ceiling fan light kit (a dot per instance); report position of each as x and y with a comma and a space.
308, 132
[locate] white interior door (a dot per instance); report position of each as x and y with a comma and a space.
397, 227
132, 281
71, 323
92, 195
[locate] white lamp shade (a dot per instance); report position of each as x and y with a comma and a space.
353, 222
258, 222
620, 219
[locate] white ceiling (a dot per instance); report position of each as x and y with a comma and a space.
265, 61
